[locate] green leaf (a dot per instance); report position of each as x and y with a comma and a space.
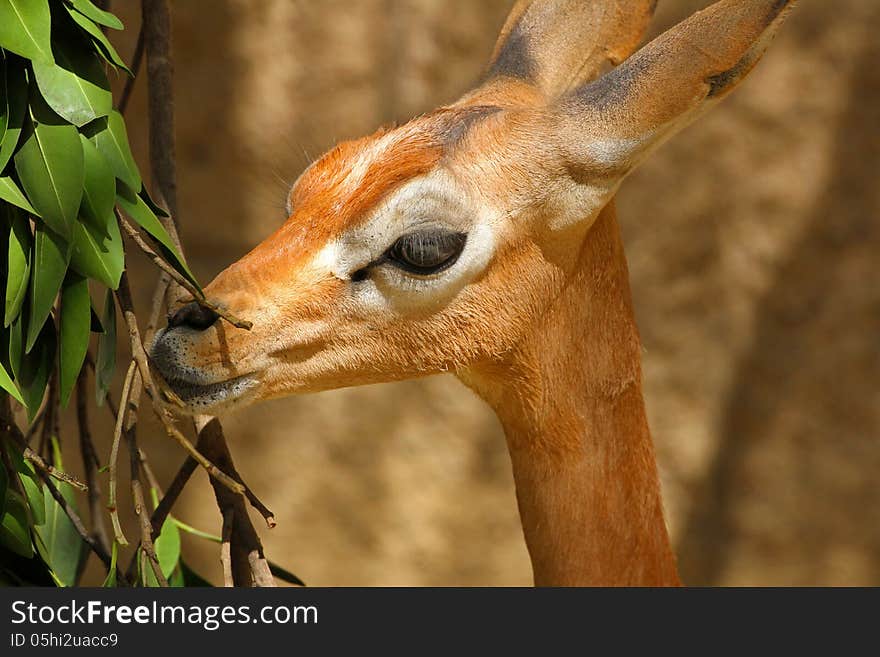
168, 547
99, 188
10, 193
96, 321
284, 575
14, 533
50, 258
135, 207
18, 263
15, 570
16, 95
25, 28
76, 307
104, 46
98, 254
36, 367
111, 138
100, 16
110, 580
58, 541
4, 101
15, 351
50, 166
157, 209
105, 362
7, 384
76, 87
197, 532
33, 490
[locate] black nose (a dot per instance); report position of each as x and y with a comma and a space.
193, 316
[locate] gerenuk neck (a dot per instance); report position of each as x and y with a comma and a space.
569, 398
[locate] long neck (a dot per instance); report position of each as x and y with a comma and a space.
569, 398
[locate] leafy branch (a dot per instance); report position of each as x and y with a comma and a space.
69, 188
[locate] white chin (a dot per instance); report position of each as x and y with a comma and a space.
214, 398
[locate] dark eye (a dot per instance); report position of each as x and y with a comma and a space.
426, 252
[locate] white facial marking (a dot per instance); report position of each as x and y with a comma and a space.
612, 152
433, 201
327, 259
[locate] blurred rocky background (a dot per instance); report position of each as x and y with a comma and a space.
754, 247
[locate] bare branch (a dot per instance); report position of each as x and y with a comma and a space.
160, 262
156, 25
226, 548
51, 470
91, 464
244, 551
136, 60
148, 471
249, 566
36, 424
114, 455
215, 472
138, 353
268, 516
137, 489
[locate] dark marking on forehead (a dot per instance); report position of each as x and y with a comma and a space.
514, 59
451, 125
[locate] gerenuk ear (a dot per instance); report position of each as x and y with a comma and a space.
607, 127
548, 47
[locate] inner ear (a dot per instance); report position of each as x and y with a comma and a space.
552, 46
610, 125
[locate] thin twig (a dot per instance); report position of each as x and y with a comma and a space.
268, 516
136, 60
123, 294
182, 281
212, 470
111, 405
137, 489
138, 354
91, 464
226, 548
114, 455
77, 523
148, 471
243, 540
36, 424
51, 470
161, 512
159, 295
41, 464
50, 418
